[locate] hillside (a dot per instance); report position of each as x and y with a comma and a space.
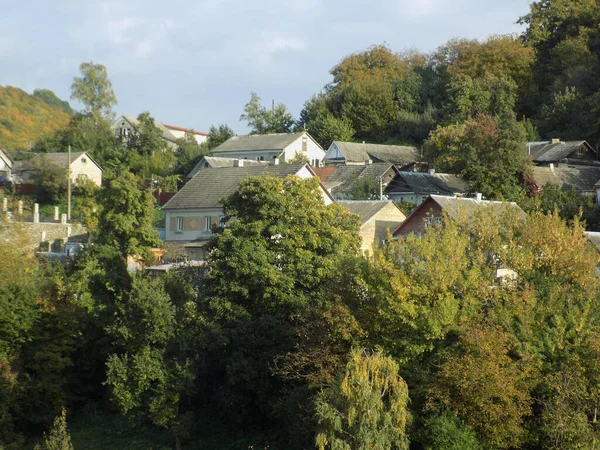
25, 118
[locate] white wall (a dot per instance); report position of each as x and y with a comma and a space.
313, 150
333, 152
181, 134
85, 166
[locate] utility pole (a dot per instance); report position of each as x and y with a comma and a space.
380, 188
69, 184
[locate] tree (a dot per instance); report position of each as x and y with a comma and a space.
447, 432
51, 99
218, 135
484, 386
152, 374
263, 120
151, 155
50, 179
58, 438
94, 90
125, 218
367, 409
267, 268
488, 153
326, 128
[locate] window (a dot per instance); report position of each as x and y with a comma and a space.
222, 221
262, 158
207, 219
580, 150
205, 165
437, 220
258, 158
180, 224
83, 160
429, 221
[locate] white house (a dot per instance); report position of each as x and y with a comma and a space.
192, 212
6, 165
126, 125
82, 167
267, 147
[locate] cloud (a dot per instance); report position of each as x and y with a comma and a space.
421, 9
156, 34
6, 45
272, 44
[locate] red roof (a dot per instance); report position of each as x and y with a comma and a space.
185, 130
324, 172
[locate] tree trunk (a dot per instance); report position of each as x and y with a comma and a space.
177, 442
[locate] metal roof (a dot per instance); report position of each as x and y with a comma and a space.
59, 159
210, 186
365, 209
549, 151
342, 179
594, 239
395, 154
215, 162
255, 142
578, 178
427, 183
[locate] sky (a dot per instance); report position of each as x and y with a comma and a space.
194, 63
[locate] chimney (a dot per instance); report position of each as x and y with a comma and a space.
368, 162
552, 167
478, 196
430, 171
238, 163
554, 140
275, 161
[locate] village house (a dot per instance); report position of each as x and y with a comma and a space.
353, 182
6, 165
416, 187
284, 147
353, 153
82, 167
581, 179
377, 219
433, 210
554, 152
124, 126
196, 208
212, 162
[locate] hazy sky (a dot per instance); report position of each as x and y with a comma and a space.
193, 64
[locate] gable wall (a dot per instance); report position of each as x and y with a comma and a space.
375, 231
84, 166
416, 222
313, 151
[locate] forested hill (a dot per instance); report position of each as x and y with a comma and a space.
26, 118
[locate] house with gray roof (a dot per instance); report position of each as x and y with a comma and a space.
82, 167
213, 162
582, 179
433, 210
377, 219
6, 164
125, 125
354, 182
192, 212
352, 153
555, 152
284, 147
416, 187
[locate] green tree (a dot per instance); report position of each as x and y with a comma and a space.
326, 128
150, 375
367, 409
50, 179
51, 99
94, 90
125, 218
447, 432
218, 134
488, 153
58, 438
263, 120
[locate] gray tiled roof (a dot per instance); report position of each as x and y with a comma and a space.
58, 159
395, 154
216, 162
454, 206
340, 181
579, 178
546, 151
254, 142
427, 183
365, 209
210, 186
593, 238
